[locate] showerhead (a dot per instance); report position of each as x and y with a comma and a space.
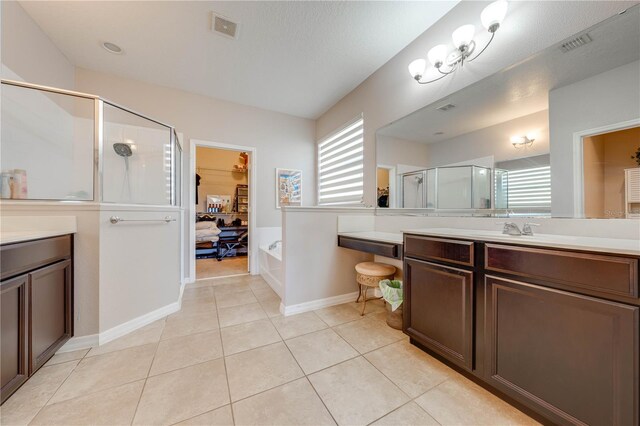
122, 149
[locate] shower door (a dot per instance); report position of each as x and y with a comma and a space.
414, 190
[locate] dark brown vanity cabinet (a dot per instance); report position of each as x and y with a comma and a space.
557, 331
36, 297
440, 309
575, 356
14, 359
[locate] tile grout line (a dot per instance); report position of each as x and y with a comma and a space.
306, 376
144, 385
224, 363
58, 388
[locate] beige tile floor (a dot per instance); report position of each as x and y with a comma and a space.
228, 357
211, 268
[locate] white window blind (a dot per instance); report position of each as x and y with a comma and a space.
530, 189
341, 165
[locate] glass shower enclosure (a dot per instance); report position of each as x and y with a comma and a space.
61, 145
455, 188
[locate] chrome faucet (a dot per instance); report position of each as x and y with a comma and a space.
526, 228
274, 244
510, 228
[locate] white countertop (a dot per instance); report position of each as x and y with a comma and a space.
8, 237
383, 237
604, 245
16, 229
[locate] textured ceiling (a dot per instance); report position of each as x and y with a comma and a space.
294, 57
524, 88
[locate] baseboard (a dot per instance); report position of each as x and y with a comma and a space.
318, 304
139, 322
92, 340
273, 283
80, 342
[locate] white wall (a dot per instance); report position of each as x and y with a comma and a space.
315, 267
578, 107
282, 140
493, 141
139, 264
392, 151
390, 93
27, 52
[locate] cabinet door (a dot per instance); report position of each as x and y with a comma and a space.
14, 368
439, 309
573, 358
50, 293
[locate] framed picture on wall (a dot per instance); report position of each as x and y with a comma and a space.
288, 187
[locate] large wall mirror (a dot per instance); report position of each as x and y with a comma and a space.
555, 135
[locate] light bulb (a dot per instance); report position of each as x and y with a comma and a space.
517, 139
493, 15
437, 55
531, 136
463, 36
417, 67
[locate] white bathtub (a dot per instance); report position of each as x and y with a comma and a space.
271, 268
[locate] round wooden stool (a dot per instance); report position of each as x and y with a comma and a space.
369, 274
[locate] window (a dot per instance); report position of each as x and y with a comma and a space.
530, 189
341, 165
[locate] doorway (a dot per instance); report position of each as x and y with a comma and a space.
386, 186
222, 222
610, 161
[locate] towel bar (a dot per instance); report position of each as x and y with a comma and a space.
117, 219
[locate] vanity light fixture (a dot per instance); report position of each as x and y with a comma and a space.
522, 141
463, 43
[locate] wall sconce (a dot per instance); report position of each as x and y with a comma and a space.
522, 141
463, 43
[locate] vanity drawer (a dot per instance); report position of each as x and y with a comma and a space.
30, 255
430, 248
391, 250
594, 273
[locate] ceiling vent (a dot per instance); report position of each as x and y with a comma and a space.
223, 26
446, 107
573, 44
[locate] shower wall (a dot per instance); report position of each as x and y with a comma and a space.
51, 137
145, 176
126, 274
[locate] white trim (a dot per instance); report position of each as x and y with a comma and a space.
136, 323
93, 340
253, 201
81, 342
317, 304
578, 170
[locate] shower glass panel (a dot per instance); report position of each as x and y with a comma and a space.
501, 183
47, 144
454, 187
481, 187
137, 159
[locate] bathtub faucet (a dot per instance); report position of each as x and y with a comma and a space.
274, 244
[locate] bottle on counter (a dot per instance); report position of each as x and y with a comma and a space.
5, 179
20, 183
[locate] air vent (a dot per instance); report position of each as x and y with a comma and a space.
223, 26
446, 107
575, 43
